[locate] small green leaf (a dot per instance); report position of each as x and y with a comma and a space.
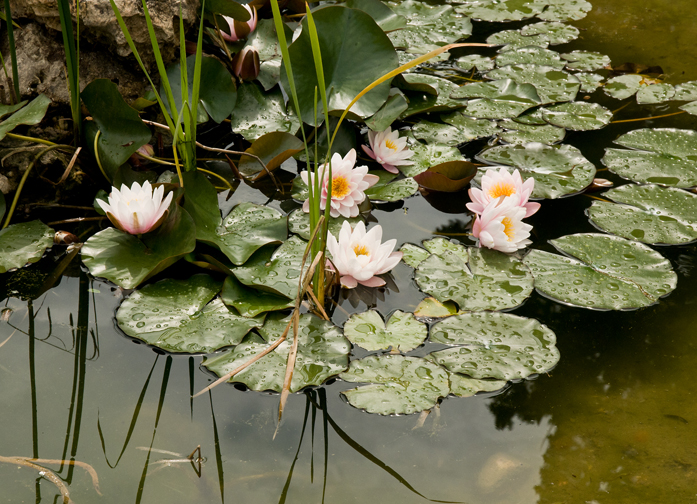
388, 113
586, 61
463, 386
23, 243
413, 255
655, 93
578, 116
251, 302
451, 176
623, 86
565, 10
388, 190
402, 331
427, 155
31, 114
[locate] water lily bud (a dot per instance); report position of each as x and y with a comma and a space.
246, 63
240, 29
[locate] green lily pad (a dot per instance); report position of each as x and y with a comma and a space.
552, 85
427, 155
24, 243
623, 86
495, 345
501, 10
578, 116
388, 189
690, 108
565, 10
532, 55
686, 91
273, 149
398, 385
428, 24
531, 118
664, 156
265, 40
30, 114
322, 353
401, 332
388, 113
463, 386
444, 134
278, 273
655, 93
586, 61
176, 316
345, 37
481, 63
558, 170
299, 223
257, 113
648, 213
413, 255
452, 176
602, 272
489, 280
498, 99
386, 18
589, 81
555, 32
517, 133
439, 246
513, 39
421, 103
251, 302
127, 261
470, 128
431, 308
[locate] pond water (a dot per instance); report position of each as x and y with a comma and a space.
611, 423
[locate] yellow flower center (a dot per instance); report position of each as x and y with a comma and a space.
508, 228
361, 250
390, 145
501, 189
340, 187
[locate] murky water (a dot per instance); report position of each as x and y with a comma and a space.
612, 423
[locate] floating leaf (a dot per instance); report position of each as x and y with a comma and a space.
176, 316
558, 170
273, 149
299, 223
452, 176
322, 353
439, 246
623, 86
470, 128
556, 33
690, 108
402, 331
686, 91
664, 156
586, 61
578, 116
413, 255
498, 99
552, 85
589, 81
517, 133
490, 280
398, 385
427, 155
495, 345
649, 213
30, 114
428, 24
463, 386
251, 302
532, 55
444, 134
385, 17
481, 63
655, 93
431, 308
420, 102
257, 113
23, 243
265, 40
565, 10
513, 39
388, 113
501, 10
602, 272
388, 189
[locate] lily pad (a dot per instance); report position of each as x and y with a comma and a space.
431, 308
257, 113
565, 10
481, 63
498, 99
686, 91
420, 102
532, 55
273, 149
413, 255
398, 385
664, 156
623, 86
176, 316
586, 61
558, 170
386, 18
578, 116
495, 345
401, 332
440, 245
501, 10
648, 213
251, 302
299, 223
552, 85
489, 280
23, 243
265, 40
555, 32
589, 81
463, 386
470, 128
452, 176
518, 133
388, 189
388, 113
602, 272
655, 93
427, 155
322, 353
690, 108
444, 134
513, 39
428, 24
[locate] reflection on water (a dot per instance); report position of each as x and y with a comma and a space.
611, 424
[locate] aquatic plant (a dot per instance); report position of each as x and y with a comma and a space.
137, 209
388, 149
500, 226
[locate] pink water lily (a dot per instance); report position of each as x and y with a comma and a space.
500, 226
388, 149
502, 183
136, 210
348, 185
240, 29
360, 256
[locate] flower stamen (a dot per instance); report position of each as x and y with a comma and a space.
390, 145
361, 250
501, 189
508, 228
340, 187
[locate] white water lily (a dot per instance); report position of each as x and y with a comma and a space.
500, 226
359, 256
388, 149
503, 184
348, 185
136, 210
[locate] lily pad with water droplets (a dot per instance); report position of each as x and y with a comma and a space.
558, 170
398, 385
565, 10
428, 24
555, 32
648, 213
513, 39
23, 243
552, 85
623, 86
322, 353
251, 302
655, 93
488, 280
388, 189
513, 132
413, 254
440, 245
532, 55
690, 108
501, 10
602, 272
428, 155
578, 116
431, 308
444, 134
495, 345
498, 99
481, 63
299, 223
470, 128
586, 61
686, 91
464, 386
663, 156
420, 102
258, 113
589, 81
401, 332
176, 316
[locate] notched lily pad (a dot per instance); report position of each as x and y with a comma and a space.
578, 116
513, 132
586, 61
413, 254
481, 63
565, 10
655, 93
623, 86
469, 128
428, 24
532, 55
427, 155
501, 10
388, 189
452, 176
251, 302
401, 332
602, 272
495, 345
398, 385
23, 243
589, 81
552, 85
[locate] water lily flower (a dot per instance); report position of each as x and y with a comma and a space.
359, 256
388, 149
136, 210
245, 64
502, 183
500, 226
240, 29
348, 185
